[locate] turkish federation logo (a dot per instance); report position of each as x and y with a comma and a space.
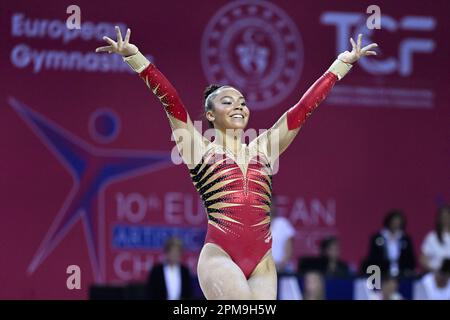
256, 47
92, 170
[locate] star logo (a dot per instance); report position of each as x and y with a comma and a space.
92, 170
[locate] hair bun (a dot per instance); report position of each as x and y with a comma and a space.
210, 89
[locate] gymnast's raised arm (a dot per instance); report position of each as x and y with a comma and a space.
190, 142
283, 132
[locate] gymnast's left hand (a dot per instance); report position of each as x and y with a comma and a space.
122, 47
357, 52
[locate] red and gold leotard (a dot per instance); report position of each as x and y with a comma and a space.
237, 192
237, 199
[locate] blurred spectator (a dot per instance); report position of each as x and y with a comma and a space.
282, 240
328, 263
170, 280
331, 264
391, 248
313, 286
436, 245
389, 289
436, 285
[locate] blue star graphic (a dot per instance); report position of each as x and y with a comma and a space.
92, 169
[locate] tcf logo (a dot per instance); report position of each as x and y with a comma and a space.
403, 63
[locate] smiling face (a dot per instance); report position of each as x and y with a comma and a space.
229, 109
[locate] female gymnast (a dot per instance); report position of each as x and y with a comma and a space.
234, 179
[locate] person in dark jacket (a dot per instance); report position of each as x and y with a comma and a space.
333, 266
170, 280
329, 262
391, 248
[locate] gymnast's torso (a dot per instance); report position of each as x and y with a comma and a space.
236, 192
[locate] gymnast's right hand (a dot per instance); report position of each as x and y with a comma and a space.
122, 47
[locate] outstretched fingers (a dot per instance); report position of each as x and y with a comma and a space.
108, 49
119, 36
353, 44
366, 50
368, 47
127, 36
358, 46
357, 51
110, 41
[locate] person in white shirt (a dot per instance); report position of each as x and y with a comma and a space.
389, 289
170, 280
435, 285
282, 241
436, 245
283, 234
391, 249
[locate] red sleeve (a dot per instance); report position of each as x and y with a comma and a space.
298, 114
165, 92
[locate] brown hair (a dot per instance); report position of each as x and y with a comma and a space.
172, 242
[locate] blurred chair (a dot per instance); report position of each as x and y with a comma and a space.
135, 291
106, 292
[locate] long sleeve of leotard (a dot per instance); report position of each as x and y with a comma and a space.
286, 128
189, 141
298, 114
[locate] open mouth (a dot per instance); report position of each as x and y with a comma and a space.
237, 116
